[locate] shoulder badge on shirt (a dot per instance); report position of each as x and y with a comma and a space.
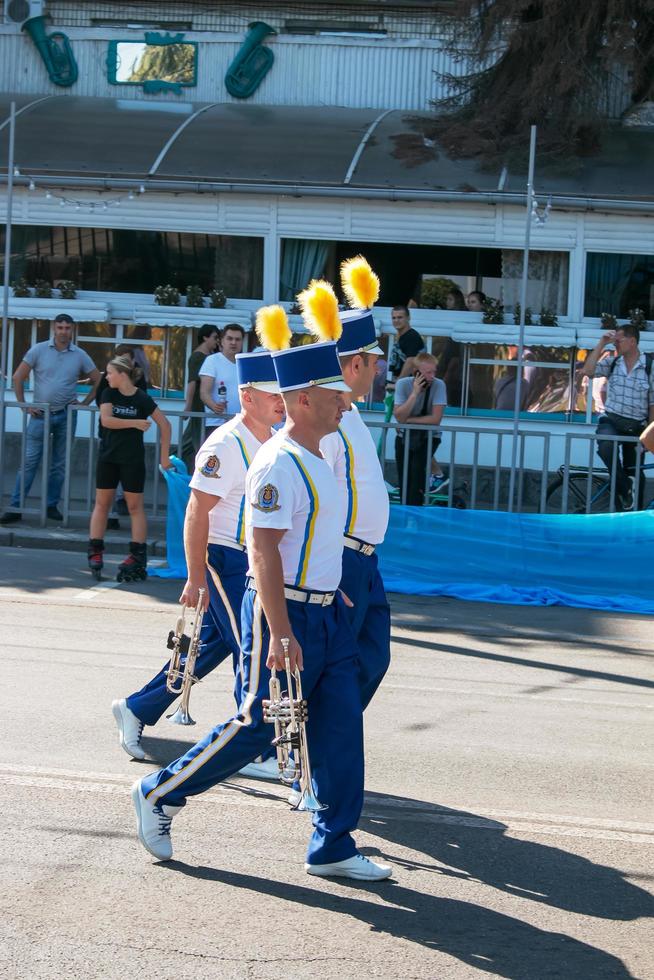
211, 467
267, 499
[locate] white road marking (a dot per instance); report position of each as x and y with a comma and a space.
517, 823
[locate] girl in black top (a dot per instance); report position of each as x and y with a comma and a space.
124, 414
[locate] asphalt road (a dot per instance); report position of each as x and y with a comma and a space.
509, 782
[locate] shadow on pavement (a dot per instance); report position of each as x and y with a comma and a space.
488, 940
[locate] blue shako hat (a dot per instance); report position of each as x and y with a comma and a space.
311, 365
257, 370
359, 336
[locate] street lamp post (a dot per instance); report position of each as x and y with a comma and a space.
523, 308
6, 277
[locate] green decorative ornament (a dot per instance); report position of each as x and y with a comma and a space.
194, 296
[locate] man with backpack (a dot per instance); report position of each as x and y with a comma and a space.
629, 406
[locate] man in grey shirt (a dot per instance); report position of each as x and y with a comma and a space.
58, 364
418, 400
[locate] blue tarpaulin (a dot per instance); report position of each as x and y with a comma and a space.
599, 561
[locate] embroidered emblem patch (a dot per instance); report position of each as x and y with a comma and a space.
211, 467
267, 499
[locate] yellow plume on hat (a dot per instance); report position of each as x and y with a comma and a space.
320, 310
359, 282
272, 328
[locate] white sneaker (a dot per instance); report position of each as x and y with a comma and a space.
358, 867
130, 729
153, 824
261, 770
294, 798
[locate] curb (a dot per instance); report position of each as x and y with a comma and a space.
63, 539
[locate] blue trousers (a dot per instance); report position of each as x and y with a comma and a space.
219, 637
34, 440
370, 618
334, 727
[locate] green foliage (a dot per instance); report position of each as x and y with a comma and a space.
638, 319
608, 321
493, 311
433, 292
194, 296
165, 63
528, 315
217, 299
43, 289
166, 295
67, 289
21, 288
548, 318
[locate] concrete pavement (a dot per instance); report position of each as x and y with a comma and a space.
509, 782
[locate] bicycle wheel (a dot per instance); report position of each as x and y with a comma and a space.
577, 491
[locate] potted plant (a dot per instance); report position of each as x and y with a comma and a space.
493, 311
608, 321
21, 288
194, 296
217, 299
637, 319
43, 289
166, 295
433, 292
67, 289
528, 315
548, 318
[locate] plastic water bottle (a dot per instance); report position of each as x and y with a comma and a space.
222, 390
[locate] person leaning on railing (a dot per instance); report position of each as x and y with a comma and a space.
629, 405
58, 365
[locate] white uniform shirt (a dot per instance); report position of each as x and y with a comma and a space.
220, 467
352, 455
222, 370
290, 489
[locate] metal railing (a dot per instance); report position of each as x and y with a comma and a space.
558, 471
25, 413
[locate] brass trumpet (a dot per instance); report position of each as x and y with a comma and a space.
289, 716
180, 676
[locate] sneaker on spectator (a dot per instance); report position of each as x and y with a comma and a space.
54, 514
435, 481
10, 517
626, 500
113, 524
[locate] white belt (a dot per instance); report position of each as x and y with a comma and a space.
227, 543
360, 546
299, 595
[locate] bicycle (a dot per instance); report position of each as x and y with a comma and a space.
599, 496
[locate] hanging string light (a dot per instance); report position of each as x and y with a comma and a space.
84, 204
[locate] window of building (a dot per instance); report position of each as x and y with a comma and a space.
550, 382
617, 283
126, 260
422, 274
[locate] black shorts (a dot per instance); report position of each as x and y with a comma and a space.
131, 475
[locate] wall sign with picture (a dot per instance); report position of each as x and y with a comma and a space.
160, 63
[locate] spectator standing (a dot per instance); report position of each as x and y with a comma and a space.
629, 405
194, 433
125, 411
408, 343
420, 400
119, 505
218, 381
58, 364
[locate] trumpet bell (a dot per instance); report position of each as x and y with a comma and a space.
180, 717
310, 802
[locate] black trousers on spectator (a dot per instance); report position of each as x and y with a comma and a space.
417, 465
625, 452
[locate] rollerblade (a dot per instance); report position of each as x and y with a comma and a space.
94, 556
134, 567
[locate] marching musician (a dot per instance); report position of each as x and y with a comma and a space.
214, 542
294, 523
